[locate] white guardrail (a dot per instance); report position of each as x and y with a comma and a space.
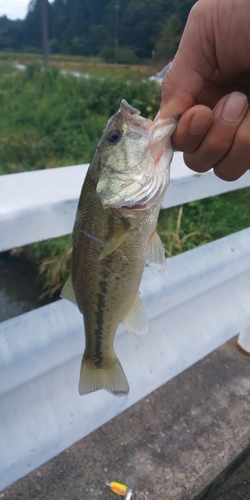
199, 302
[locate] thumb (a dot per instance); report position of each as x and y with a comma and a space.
194, 63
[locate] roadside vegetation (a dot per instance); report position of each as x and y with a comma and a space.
48, 120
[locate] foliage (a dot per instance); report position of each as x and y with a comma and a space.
176, 242
49, 119
53, 261
90, 27
169, 39
198, 222
180, 228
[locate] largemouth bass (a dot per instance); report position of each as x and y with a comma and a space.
114, 237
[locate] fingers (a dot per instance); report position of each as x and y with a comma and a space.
194, 63
218, 139
237, 161
192, 128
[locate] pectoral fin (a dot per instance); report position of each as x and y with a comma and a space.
68, 291
115, 241
156, 252
136, 321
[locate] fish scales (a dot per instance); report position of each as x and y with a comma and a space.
113, 237
113, 282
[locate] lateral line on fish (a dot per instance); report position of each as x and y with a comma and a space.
120, 202
94, 238
101, 304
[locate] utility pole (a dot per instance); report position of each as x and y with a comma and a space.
45, 38
117, 6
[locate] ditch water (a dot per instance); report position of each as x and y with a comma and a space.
19, 289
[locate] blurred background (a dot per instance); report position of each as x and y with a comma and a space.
64, 67
122, 31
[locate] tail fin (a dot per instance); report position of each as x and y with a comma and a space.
111, 379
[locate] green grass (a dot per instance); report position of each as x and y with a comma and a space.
93, 66
48, 120
27, 57
103, 70
198, 222
180, 228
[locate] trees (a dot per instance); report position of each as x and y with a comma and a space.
169, 39
90, 27
141, 25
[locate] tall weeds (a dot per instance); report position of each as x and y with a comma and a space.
48, 120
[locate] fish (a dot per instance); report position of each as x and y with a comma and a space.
114, 237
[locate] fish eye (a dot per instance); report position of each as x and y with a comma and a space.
113, 136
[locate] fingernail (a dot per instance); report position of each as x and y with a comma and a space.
234, 106
199, 122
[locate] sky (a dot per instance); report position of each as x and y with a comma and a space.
14, 9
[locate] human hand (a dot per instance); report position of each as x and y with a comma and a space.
209, 85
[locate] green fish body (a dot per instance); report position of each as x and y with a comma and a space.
114, 237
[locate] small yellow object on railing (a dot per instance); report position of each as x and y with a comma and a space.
118, 488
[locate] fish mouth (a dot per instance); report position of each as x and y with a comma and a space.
157, 132
133, 115
144, 182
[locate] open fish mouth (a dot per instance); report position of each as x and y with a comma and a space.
134, 115
135, 170
155, 131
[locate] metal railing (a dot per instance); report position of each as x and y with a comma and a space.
199, 302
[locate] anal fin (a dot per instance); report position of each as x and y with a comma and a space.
156, 252
136, 321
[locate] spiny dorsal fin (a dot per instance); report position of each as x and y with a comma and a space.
156, 252
136, 321
120, 235
68, 291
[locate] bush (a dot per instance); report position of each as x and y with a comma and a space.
49, 119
